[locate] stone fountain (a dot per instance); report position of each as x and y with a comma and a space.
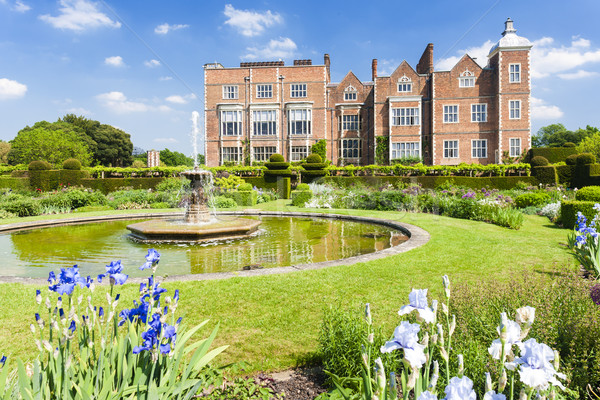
198, 224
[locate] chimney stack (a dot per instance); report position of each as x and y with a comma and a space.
425, 65
327, 63
374, 69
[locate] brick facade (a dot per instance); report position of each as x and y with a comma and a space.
466, 115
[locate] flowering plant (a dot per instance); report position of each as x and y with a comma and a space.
583, 242
88, 350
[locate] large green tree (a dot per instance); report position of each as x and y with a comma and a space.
175, 158
52, 142
556, 135
110, 146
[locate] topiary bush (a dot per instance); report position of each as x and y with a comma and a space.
572, 159
314, 158
224, 202
586, 158
539, 161
72, 164
569, 144
303, 186
300, 197
276, 158
39, 166
532, 199
244, 187
588, 193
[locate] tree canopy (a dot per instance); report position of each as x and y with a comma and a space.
175, 158
556, 135
52, 142
110, 146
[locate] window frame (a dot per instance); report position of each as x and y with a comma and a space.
300, 91
350, 125
404, 84
304, 123
405, 149
344, 148
237, 154
511, 147
264, 154
451, 151
447, 113
512, 111
230, 95
236, 124
259, 125
482, 110
295, 150
477, 149
350, 93
264, 91
406, 116
514, 76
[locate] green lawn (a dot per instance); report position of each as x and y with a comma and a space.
273, 321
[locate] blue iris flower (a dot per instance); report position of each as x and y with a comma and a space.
72, 326
2, 361
115, 272
152, 258
158, 336
68, 278
140, 312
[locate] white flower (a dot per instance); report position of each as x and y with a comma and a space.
406, 338
427, 396
536, 369
525, 315
508, 330
491, 395
460, 389
418, 301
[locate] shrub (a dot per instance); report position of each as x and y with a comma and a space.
314, 158
172, 184
244, 187
572, 159
588, 193
546, 175
303, 186
300, 197
276, 158
569, 144
25, 207
586, 158
223, 202
539, 161
230, 182
39, 166
245, 198
72, 163
160, 204
569, 209
535, 199
277, 165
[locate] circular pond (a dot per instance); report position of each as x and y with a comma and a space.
280, 242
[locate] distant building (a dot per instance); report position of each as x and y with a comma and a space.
153, 158
466, 115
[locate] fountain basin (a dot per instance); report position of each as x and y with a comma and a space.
174, 231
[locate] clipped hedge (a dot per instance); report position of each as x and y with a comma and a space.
245, 198
44, 180
569, 209
281, 184
532, 199
72, 163
565, 173
588, 193
552, 154
545, 175
109, 185
539, 161
430, 182
277, 165
14, 183
300, 197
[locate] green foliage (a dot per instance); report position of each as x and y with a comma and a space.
272, 165
406, 161
572, 159
138, 164
175, 158
39, 166
586, 158
556, 135
314, 158
109, 146
229, 182
320, 148
23, 207
569, 209
590, 144
569, 144
4, 150
381, 150
245, 198
72, 163
545, 175
109, 185
430, 182
172, 185
532, 199
588, 193
244, 187
274, 184
223, 202
300, 197
552, 154
50, 142
314, 167
276, 158
14, 183
303, 186
243, 389
539, 161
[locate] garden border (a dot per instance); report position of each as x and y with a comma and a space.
416, 238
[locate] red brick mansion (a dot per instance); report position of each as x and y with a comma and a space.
466, 115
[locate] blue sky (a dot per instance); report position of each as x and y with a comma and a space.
137, 65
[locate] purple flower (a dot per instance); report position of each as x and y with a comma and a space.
595, 294
68, 278
115, 272
2, 361
152, 259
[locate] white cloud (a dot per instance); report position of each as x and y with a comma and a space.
282, 48
579, 74
541, 110
165, 78
165, 28
21, 7
250, 23
176, 99
165, 140
79, 111
152, 63
115, 61
548, 60
120, 104
79, 15
10, 89
480, 54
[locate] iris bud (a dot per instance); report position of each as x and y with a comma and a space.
38, 297
461, 366
368, 314
488, 382
502, 382
452, 325
446, 285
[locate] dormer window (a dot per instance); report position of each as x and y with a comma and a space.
350, 94
467, 79
404, 84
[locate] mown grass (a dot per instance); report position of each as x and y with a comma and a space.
273, 321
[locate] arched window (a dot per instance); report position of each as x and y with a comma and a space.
350, 93
467, 79
404, 84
